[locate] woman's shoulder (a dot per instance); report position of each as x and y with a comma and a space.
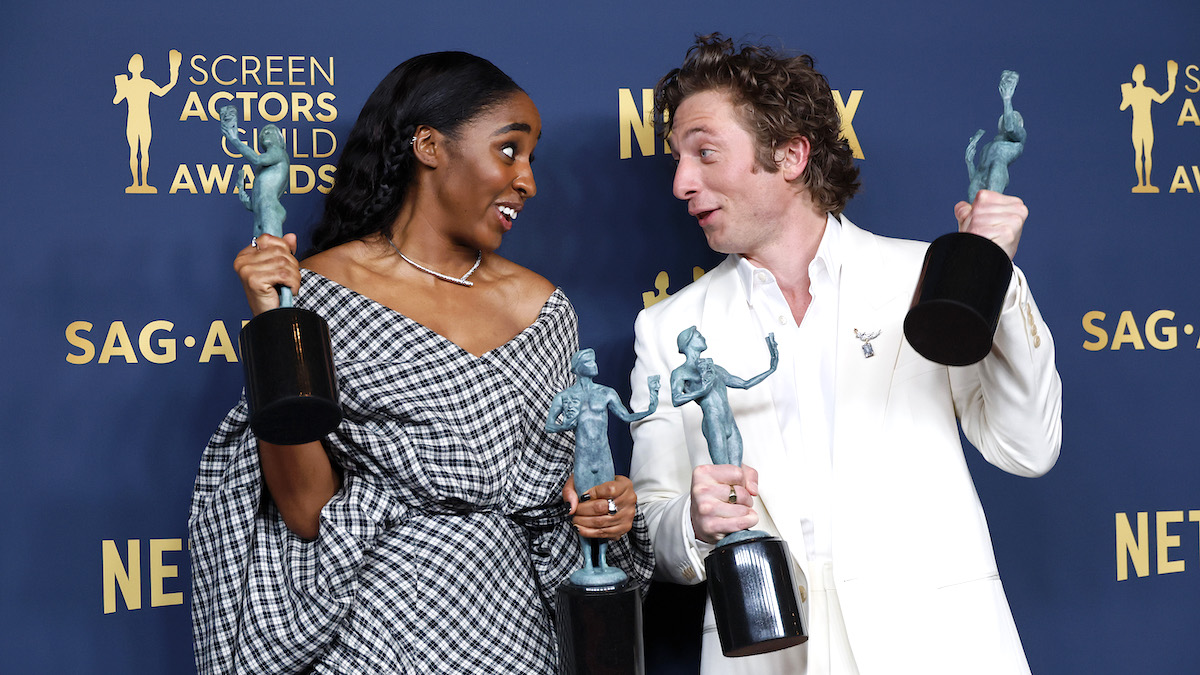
525, 290
337, 263
353, 265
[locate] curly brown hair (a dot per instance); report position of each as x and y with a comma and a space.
781, 98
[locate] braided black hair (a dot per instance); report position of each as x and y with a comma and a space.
443, 90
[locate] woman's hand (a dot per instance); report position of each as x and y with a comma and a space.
591, 513
263, 267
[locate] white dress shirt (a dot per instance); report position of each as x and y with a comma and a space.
802, 386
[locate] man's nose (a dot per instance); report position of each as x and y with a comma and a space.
684, 184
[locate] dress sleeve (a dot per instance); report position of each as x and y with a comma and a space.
264, 599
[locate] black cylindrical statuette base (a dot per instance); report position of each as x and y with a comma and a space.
755, 597
290, 384
600, 630
959, 296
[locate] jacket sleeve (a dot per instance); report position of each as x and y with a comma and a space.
1010, 403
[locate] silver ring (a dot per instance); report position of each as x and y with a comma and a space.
732, 495
612, 508
254, 242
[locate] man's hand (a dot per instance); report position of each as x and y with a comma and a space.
994, 216
713, 515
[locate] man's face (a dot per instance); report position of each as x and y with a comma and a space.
738, 203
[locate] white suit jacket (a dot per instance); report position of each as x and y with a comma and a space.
912, 556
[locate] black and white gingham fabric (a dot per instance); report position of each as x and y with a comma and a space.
442, 551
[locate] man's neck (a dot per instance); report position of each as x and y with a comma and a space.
788, 255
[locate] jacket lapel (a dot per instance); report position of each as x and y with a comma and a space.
869, 300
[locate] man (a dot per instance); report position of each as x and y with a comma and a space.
852, 455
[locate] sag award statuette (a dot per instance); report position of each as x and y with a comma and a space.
750, 582
286, 354
957, 304
599, 608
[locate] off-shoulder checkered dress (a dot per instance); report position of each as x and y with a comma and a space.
443, 549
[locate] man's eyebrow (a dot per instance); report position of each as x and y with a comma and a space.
692, 131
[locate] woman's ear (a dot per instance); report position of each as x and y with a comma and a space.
427, 145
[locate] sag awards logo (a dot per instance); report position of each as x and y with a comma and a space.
1126, 330
1143, 102
292, 92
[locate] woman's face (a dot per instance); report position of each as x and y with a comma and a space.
488, 173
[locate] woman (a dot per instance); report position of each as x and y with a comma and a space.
429, 531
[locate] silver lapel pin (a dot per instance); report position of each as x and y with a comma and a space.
868, 350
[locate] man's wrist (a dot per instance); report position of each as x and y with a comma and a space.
701, 547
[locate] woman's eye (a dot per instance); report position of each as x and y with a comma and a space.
509, 151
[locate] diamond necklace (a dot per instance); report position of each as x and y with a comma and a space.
461, 281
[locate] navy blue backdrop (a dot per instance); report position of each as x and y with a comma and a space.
121, 308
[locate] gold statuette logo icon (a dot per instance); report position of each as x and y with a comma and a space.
1138, 96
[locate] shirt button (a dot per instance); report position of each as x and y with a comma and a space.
762, 276
782, 320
